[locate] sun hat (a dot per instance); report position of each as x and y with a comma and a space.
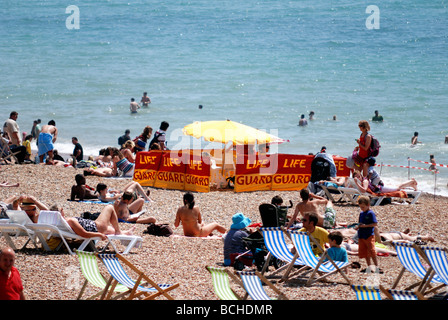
239, 221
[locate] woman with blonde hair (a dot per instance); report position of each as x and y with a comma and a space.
362, 151
126, 150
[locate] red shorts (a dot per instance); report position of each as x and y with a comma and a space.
366, 247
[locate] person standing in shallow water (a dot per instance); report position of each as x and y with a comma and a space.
134, 106
377, 117
145, 100
303, 121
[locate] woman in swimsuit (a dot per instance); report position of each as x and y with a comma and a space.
191, 220
364, 185
126, 150
122, 164
106, 223
364, 141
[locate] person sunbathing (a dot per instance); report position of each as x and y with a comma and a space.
105, 224
101, 172
81, 190
191, 220
391, 236
30, 204
130, 210
365, 185
314, 203
109, 195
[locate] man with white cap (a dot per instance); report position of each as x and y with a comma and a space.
233, 242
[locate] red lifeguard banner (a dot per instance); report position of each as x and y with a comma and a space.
280, 172
172, 170
188, 171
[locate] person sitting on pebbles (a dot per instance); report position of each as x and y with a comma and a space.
81, 190
191, 220
130, 210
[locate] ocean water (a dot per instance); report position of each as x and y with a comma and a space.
262, 63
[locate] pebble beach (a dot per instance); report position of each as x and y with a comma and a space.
179, 259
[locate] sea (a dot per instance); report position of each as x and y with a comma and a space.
263, 63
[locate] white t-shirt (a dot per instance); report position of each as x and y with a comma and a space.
10, 127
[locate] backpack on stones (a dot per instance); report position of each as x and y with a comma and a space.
375, 146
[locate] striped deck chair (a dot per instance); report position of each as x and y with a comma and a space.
92, 275
395, 294
409, 255
252, 281
437, 259
274, 239
221, 283
116, 270
302, 244
366, 292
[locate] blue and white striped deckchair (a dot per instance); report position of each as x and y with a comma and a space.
438, 261
404, 295
409, 255
274, 239
366, 292
302, 244
116, 270
221, 283
252, 283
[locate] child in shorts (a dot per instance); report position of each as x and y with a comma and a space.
366, 237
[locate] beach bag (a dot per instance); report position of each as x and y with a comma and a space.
53, 243
155, 139
161, 230
375, 146
320, 169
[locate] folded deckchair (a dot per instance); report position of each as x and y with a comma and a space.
113, 263
17, 226
252, 281
302, 244
92, 275
52, 224
366, 292
6, 155
221, 283
274, 239
410, 256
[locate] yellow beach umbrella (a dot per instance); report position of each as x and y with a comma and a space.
225, 130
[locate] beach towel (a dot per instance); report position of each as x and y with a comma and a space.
393, 194
45, 143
